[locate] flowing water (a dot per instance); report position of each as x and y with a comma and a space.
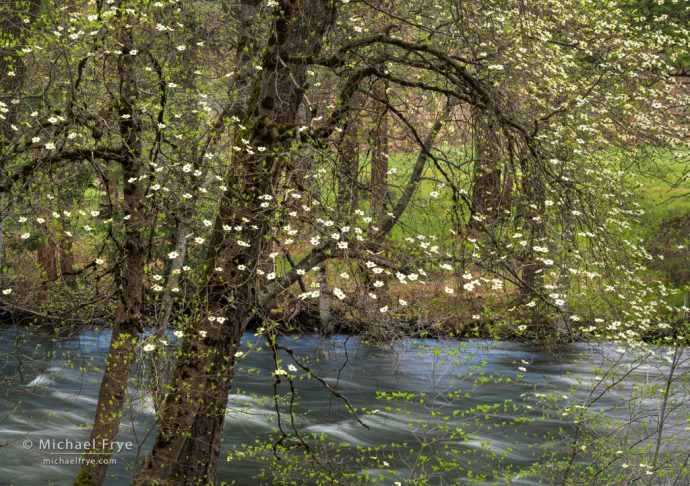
50, 388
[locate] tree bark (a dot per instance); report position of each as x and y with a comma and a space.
348, 163
48, 257
379, 161
245, 14
325, 315
160, 377
129, 279
188, 444
66, 253
532, 206
490, 183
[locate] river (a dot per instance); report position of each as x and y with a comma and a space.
464, 411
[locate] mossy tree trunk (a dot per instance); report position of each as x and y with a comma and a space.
129, 277
245, 13
188, 444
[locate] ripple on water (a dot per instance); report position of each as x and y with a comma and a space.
345, 431
40, 380
79, 397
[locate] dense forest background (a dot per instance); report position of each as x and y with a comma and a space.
180, 172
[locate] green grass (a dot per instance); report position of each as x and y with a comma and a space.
425, 215
664, 180
662, 176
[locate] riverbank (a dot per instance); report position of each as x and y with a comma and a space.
496, 316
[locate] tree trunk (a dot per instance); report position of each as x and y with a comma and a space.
48, 258
490, 185
180, 248
348, 163
245, 14
325, 315
532, 206
129, 280
379, 161
2, 243
160, 375
188, 444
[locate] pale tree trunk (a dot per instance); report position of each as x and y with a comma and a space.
304, 164
188, 151
379, 186
66, 246
2, 243
190, 60
348, 194
245, 13
188, 444
47, 253
4, 280
174, 275
158, 360
379, 160
129, 279
325, 315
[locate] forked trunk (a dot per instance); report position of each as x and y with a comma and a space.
188, 444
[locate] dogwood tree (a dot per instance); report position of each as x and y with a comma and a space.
219, 168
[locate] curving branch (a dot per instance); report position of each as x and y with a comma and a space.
21, 174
